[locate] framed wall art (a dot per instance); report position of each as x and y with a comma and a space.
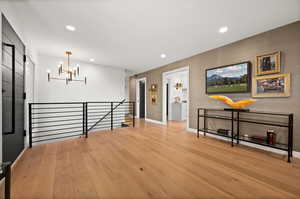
153, 94
271, 85
234, 78
268, 63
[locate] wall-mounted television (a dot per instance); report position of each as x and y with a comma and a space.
234, 78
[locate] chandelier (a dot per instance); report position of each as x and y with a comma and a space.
68, 74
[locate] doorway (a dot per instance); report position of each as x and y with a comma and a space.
141, 99
13, 65
176, 97
167, 101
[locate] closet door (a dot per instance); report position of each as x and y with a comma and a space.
13, 64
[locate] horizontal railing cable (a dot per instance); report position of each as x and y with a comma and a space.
63, 120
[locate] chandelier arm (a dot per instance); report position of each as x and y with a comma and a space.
57, 78
71, 74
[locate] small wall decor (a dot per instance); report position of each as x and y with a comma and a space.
178, 85
177, 99
153, 88
271, 86
153, 94
238, 105
268, 63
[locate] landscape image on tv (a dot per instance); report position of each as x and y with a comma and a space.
228, 79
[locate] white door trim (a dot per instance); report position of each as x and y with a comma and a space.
137, 97
164, 82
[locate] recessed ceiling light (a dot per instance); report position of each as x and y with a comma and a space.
223, 29
163, 56
70, 28
92, 60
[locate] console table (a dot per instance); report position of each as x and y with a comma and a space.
238, 116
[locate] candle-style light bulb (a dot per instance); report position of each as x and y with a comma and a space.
48, 74
58, 69
78, 69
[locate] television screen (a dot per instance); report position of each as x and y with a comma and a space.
233, 78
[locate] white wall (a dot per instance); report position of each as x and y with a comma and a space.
104, 83
128, 74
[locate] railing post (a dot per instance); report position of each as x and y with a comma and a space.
6, 167
133, 114
111, 114
204, 122
83, 118
86, 119
30, 125
198, 110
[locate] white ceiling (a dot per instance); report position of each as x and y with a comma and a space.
133, 33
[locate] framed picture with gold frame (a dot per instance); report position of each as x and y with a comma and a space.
272, 85
268, 63
153, 94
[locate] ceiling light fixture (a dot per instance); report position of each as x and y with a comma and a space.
70, 28
223, 29
92, 60
70, 74
163, 56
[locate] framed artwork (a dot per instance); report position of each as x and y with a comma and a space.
153, 94
234, 78
153, 88
268, 63
272, 86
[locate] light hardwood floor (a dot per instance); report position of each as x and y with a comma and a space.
152, 161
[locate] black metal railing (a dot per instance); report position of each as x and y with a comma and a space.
57, 121
5, 172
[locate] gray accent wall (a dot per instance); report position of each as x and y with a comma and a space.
285, 39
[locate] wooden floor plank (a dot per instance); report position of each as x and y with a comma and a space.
152, 161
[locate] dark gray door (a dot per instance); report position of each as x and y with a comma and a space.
167, 100
142, 99
13, 64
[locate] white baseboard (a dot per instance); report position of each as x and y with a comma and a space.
18, 158
295, 153
154, 121
192, 130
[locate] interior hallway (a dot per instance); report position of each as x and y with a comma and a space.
152, 161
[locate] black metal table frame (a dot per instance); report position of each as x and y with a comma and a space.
235, 118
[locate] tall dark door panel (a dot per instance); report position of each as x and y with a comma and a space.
167, 101
13, 64
142, 99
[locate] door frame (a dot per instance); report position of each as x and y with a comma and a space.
29, 98
164, 94
137, 96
